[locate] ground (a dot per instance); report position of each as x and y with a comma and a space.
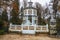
26, 37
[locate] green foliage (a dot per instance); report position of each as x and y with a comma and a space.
39, 10
58, 24
41, 21
2, 32
14, 13
1, 26
1, 23
4, 16
16, 20
17, 2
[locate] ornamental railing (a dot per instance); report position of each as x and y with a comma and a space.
36, 28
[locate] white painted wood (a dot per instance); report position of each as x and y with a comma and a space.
29, 31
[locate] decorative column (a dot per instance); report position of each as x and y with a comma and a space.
32, 17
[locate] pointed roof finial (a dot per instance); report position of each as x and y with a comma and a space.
30, 0
30, 3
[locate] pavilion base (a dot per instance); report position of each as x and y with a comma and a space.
29, 29
28, 32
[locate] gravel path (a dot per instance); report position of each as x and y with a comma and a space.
25, 37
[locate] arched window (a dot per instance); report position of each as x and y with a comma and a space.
35, 12
25, 11
30, 11
52, 23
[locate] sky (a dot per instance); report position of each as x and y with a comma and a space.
42, 2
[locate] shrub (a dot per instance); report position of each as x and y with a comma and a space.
2, 32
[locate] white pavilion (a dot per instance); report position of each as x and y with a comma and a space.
30, 21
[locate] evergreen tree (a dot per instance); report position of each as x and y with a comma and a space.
15, 13
4, 16
3, 25
15, 18
15, 5
1, 22
5, 21
39, 10
58, 25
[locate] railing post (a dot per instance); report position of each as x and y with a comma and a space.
22, 27
35, 28
41, 28
28, 27
10, 26
15, 27
47, 27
